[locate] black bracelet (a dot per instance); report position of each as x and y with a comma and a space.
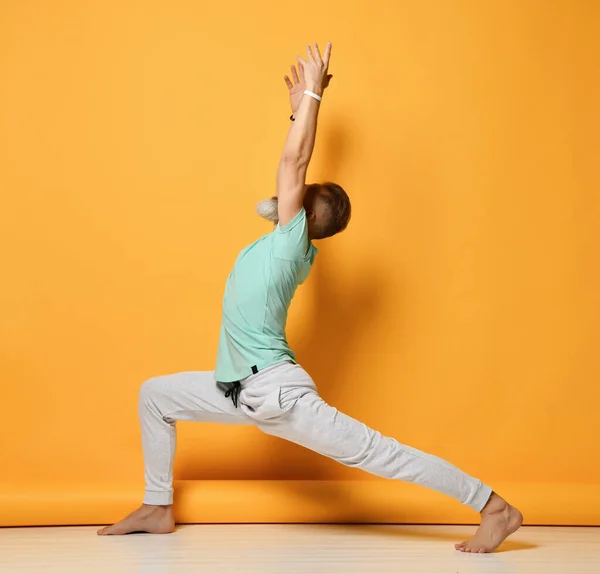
292, 118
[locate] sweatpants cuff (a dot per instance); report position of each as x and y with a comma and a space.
158, 498
482, 495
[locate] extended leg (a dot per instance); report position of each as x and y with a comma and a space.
314, 424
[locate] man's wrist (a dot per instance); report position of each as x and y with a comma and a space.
315, 89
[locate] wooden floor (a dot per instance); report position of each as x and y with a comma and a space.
295, 549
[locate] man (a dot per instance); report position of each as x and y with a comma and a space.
257, 380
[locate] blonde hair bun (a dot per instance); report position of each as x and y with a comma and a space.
267, 209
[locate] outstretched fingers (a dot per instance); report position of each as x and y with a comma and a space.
327, 54
295, 75
310, 55
318, 58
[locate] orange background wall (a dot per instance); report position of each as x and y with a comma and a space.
460, 312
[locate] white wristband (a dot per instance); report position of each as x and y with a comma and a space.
313, 95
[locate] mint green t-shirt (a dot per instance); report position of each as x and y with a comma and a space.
257, 297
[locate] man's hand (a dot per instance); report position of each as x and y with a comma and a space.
299, 84
297, 88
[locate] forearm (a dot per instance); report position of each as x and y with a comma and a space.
301, 136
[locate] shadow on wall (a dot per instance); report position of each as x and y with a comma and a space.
338, 316
326, 351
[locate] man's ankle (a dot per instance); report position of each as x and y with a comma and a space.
495, 504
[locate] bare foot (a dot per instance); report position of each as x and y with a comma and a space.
152, 519
498, 521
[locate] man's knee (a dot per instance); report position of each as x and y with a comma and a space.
150, 391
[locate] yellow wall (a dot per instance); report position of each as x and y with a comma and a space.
460, 312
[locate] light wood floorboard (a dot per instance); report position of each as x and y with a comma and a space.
316, 549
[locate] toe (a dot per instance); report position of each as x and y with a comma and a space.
106, 530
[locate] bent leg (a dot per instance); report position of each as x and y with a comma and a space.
191, 396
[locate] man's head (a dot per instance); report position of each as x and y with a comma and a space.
327, 208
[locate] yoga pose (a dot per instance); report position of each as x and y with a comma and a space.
257, 380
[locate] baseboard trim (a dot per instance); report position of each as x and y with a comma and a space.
283, 501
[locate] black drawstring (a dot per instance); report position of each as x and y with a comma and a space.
234, 388
234, 392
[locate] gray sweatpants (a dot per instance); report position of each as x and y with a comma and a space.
283, 401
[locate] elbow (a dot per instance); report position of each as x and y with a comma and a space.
294, 160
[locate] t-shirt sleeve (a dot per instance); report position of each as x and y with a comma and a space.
291, 240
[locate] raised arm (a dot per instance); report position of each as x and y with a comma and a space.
298, 149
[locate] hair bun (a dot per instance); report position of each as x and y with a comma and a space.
267, 209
